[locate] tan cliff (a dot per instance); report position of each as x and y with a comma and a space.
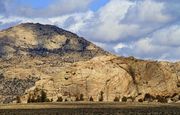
37, 57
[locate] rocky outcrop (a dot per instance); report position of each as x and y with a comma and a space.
36, 58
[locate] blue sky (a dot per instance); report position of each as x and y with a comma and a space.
98, 4
148, 29
35, 4
95, 5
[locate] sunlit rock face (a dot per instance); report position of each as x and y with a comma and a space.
35, 58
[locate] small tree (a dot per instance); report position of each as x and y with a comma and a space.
77, 98
18, 99
116, 99
43, 96
124, 99
33, 99
29, 100
81, 97
60, 99
101, 98
91, 99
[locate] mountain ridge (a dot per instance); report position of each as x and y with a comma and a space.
36, 58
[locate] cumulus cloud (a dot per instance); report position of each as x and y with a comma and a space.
147, 11
169, 36
163, 45
124, 20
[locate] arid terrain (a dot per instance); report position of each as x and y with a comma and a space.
43, 60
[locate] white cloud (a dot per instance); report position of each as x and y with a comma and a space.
120, 46
106, 26
169, 36
148, 11
163, 44
124, 20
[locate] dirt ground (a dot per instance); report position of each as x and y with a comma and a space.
82, 108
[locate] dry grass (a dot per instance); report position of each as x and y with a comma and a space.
82, 108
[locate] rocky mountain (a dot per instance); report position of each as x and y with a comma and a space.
36, 58
45, 40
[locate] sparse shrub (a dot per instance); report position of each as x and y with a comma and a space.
116, 99
91, 99
148, 97
140, 100
39, 99
29, 100
48, 100
101, 98
81, 97
18, 99
33, 99
124, 99
60, 99
43, 96
65, 100
161, 99
77, 98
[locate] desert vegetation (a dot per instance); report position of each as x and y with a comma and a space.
42, 97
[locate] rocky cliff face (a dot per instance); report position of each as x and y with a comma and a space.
37, 57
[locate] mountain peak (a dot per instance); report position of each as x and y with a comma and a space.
34, 39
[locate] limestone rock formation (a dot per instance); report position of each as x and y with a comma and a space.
36, 58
